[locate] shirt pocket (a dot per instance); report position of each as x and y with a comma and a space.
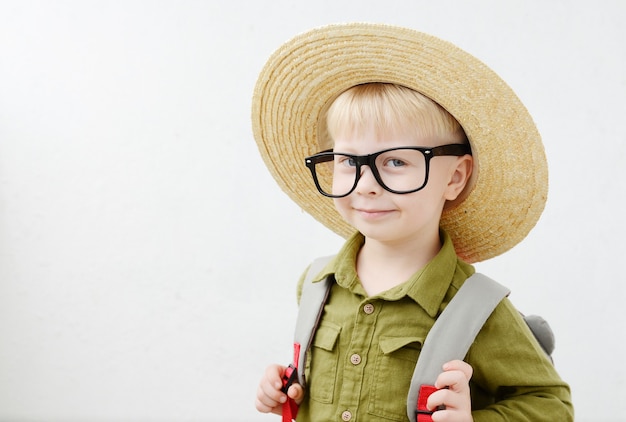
322, 363
395, 363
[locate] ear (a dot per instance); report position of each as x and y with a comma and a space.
459, 176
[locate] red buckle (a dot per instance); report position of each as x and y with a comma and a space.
421, 411
290, 375
290, 408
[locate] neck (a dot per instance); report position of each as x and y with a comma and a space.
382, 265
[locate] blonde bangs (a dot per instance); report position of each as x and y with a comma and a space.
388, 109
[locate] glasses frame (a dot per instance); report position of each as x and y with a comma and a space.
369, 160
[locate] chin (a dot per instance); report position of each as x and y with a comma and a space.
380, 234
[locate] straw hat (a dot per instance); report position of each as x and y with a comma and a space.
308, 72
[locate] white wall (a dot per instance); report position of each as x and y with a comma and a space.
140, 232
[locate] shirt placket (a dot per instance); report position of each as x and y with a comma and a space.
356, 359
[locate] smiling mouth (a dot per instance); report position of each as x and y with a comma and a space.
372, 213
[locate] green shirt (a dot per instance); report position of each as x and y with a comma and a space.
365, 349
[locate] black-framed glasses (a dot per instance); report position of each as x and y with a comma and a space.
398, 170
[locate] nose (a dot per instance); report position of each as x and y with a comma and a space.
367, 184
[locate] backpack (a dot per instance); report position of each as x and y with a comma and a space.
449, 338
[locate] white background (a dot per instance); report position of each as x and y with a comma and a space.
148, 260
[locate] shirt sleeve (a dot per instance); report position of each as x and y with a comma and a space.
513, 379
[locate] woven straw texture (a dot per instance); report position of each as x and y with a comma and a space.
510, 182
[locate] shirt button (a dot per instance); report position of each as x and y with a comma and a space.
368, 309
355, 359
346, 415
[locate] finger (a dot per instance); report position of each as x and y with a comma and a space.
454, 380
442, 399
269, 395
449, 406
459, 365
456, 376
296, 392
274, 374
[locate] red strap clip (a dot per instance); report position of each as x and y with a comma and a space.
290, 408
421, 411
290, 375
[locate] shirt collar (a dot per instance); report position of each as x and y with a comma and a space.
427, 287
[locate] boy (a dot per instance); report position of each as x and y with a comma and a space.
431, 163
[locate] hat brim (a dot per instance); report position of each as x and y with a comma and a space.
305, 74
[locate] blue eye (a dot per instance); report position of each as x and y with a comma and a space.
346, 161
395, 162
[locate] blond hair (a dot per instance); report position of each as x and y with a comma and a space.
389, 109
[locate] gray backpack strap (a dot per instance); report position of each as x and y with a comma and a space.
454, 331
312, 302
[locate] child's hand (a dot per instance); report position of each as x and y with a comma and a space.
269, 398
454, 393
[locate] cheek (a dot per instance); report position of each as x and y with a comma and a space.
435, 190
425, 205
342, 205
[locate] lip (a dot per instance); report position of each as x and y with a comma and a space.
372, 214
